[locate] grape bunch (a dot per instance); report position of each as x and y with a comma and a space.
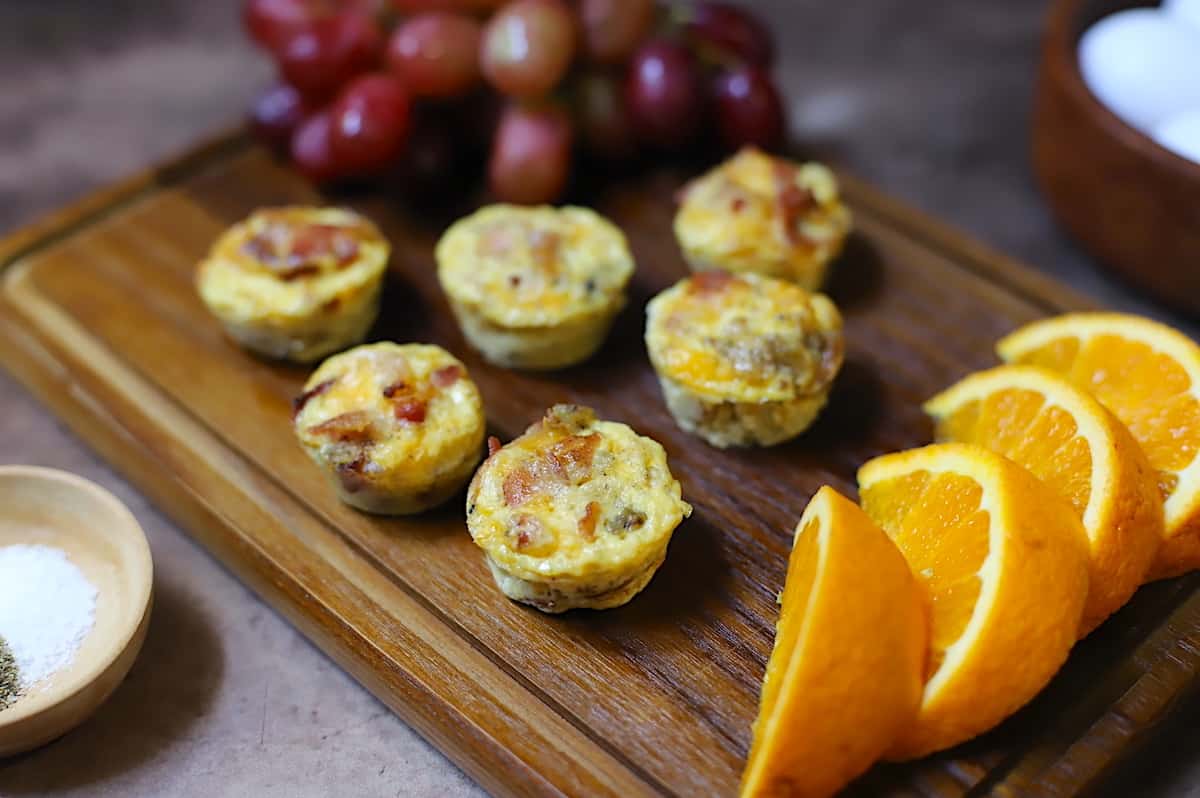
415, 92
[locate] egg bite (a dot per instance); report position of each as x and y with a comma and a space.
762, 214
296, 283
743, 360
534, 288
399, 428
576, 512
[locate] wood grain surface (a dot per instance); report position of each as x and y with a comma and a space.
101, 320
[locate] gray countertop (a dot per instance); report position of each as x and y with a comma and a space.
931, 101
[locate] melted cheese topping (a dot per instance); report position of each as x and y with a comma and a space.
292, 262
759, 213
400, 409
744, 338
574, 496
534, 267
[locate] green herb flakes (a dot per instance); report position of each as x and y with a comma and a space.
10, 685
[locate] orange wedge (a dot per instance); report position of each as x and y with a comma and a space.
1148, 375
845, 675
1003, 559
1068, 440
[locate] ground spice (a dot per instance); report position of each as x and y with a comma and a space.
10, 684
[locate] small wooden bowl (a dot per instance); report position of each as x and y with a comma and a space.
104, 540
1130, 202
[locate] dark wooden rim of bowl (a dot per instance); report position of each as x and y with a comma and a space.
1063, 32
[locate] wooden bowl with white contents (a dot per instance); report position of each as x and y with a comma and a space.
47, 508
1132, 203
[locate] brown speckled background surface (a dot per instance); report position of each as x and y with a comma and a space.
929, 100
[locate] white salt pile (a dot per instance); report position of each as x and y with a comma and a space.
47, 608
1144, 64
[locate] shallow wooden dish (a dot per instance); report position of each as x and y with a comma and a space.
104, 540
1131, 203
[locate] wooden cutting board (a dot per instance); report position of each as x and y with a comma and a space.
100, 319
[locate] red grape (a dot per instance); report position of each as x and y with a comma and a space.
605, 129
276, 113
531, 154
467, 6
273, 22
664, 94
324, 56
728, 33
749, 108
369, 123
612, 29
527, 46
311, 151
437, 53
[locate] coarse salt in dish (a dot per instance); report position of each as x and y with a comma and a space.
47, 608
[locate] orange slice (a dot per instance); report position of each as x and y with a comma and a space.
1068, 440
1004, 561
1149, 376
845, 675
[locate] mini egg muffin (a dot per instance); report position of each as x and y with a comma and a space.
577, 512
296, 283
534, 288
399, 428
743, 360
758, 213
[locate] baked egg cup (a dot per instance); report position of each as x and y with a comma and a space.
743, 360
296, 283
763, 214
398, 428
576, 512
534, 287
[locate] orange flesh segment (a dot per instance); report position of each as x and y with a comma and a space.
797, 590
1122, 373
937, 523
1016, 423
1056, 356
